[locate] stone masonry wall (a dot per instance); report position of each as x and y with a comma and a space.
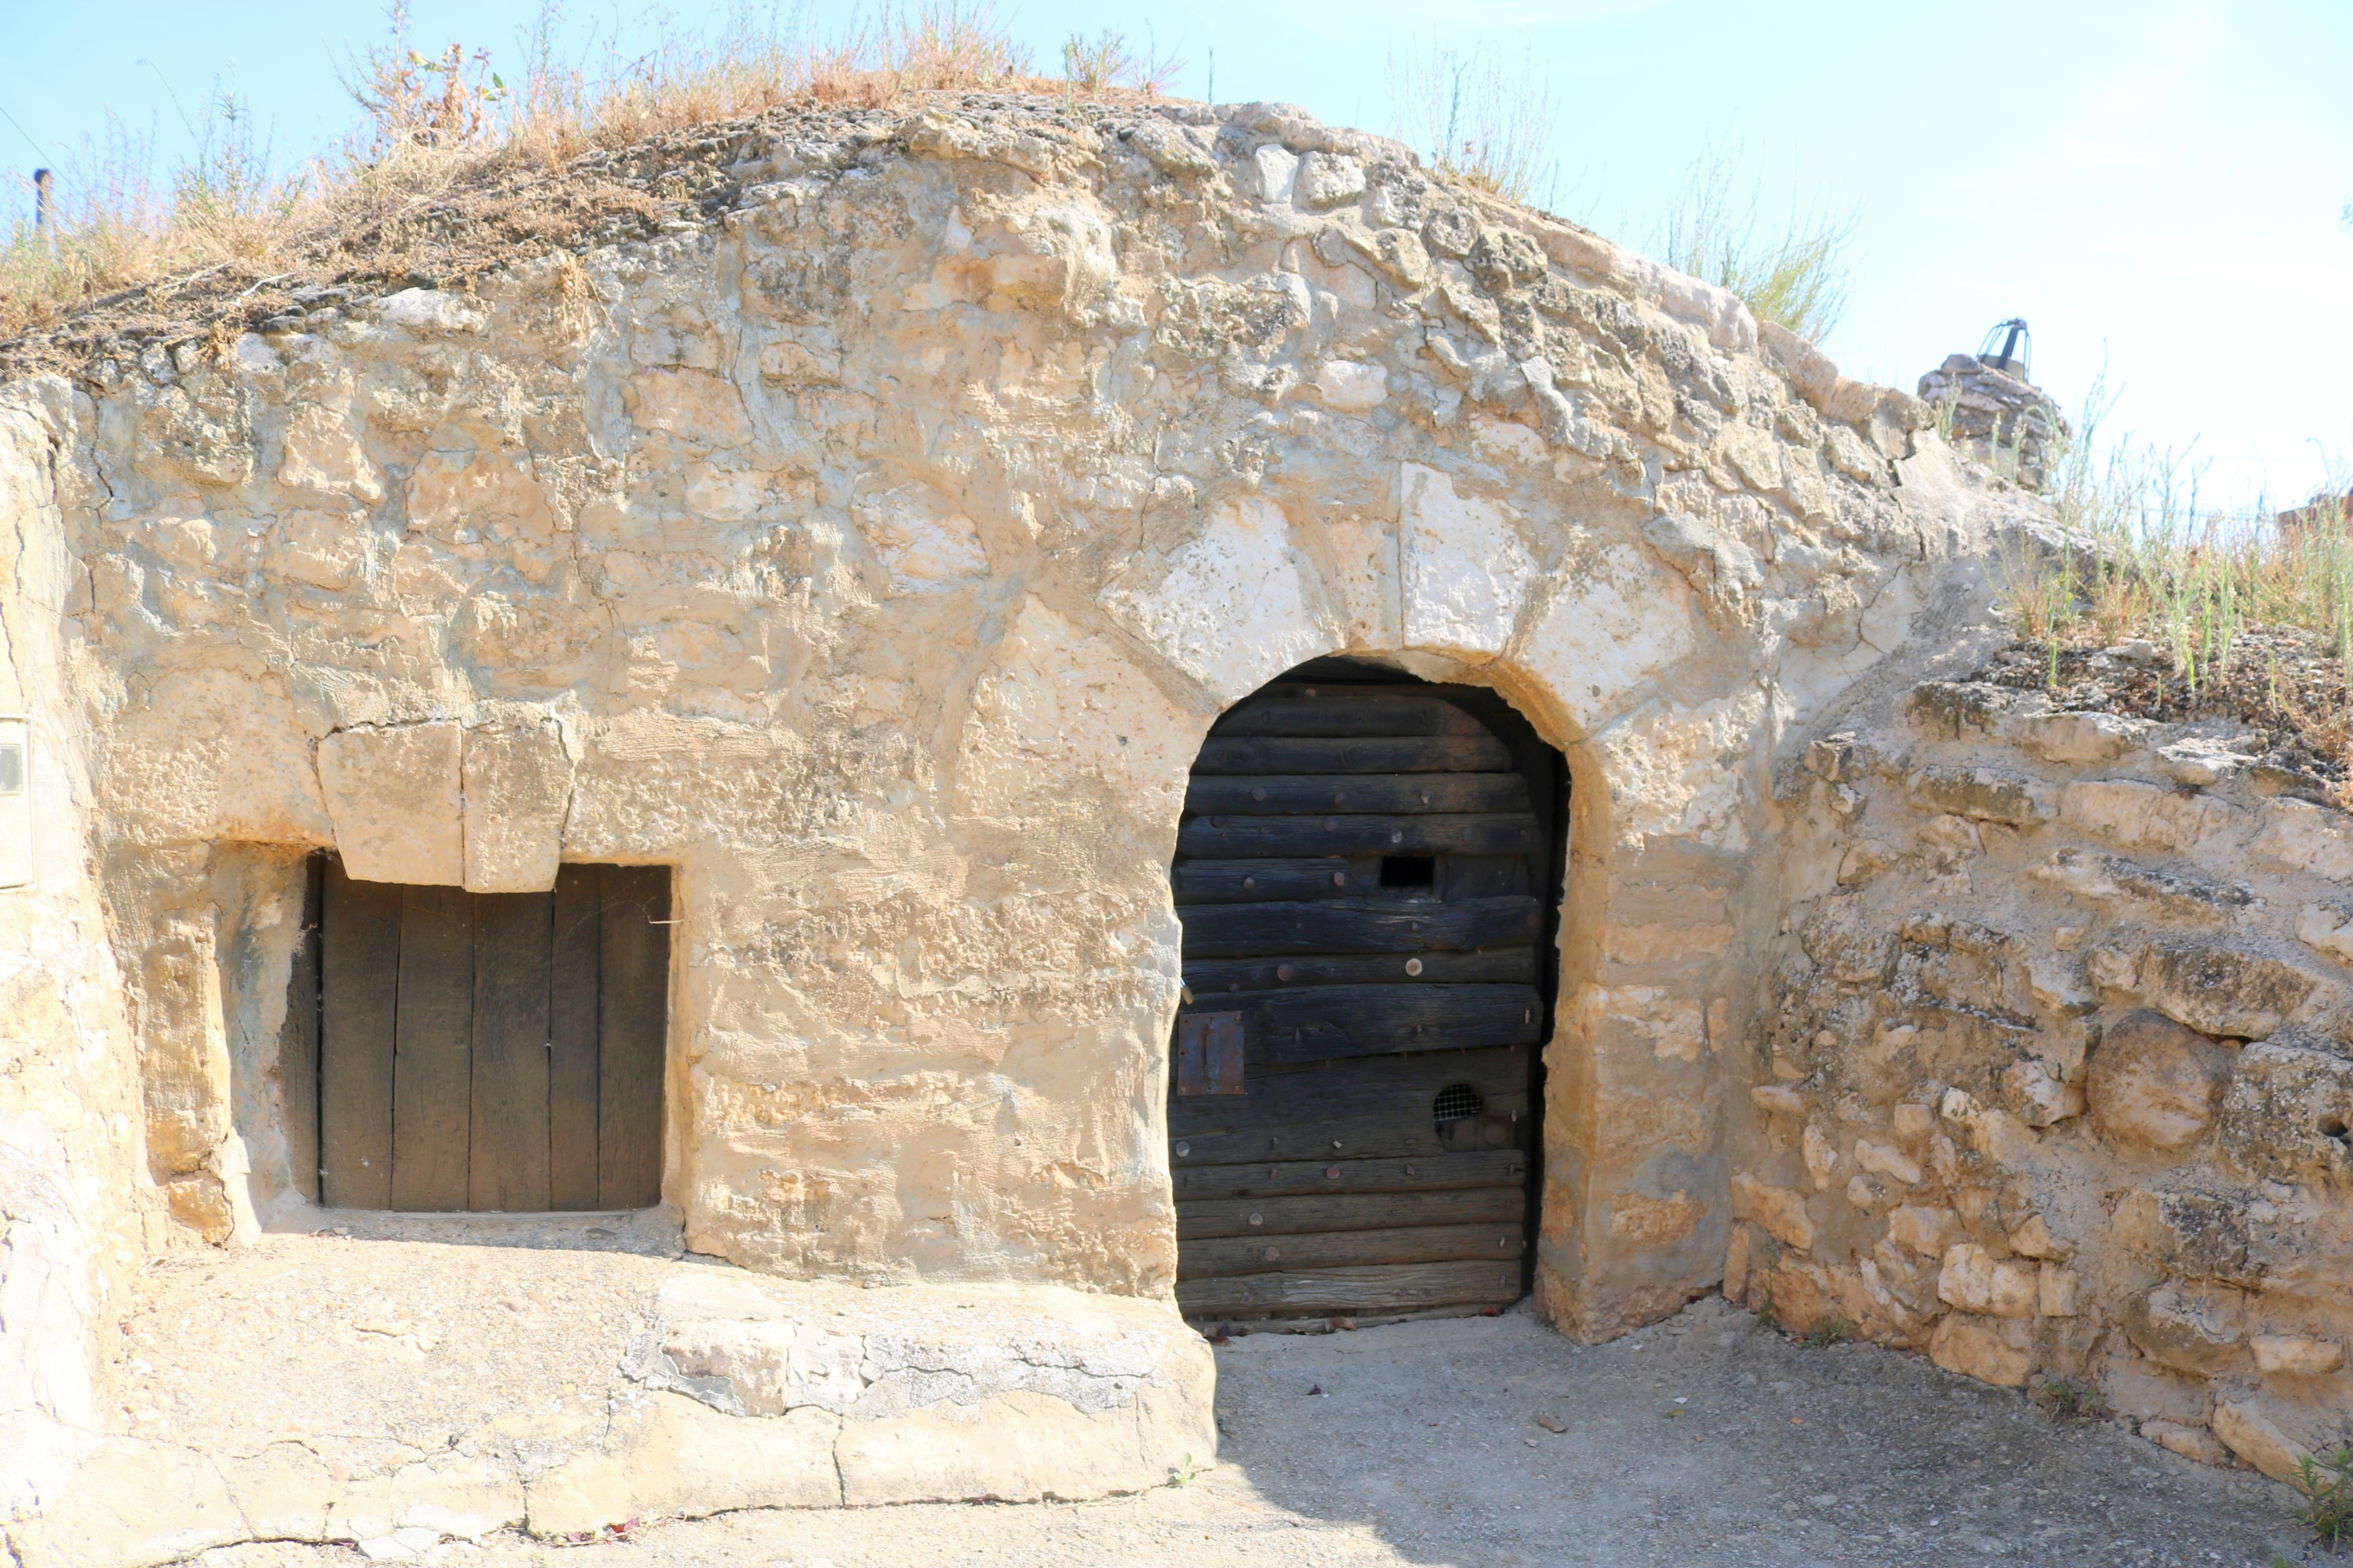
74, 1214
877, 550
2057, 1084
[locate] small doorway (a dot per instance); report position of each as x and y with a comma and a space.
481, 1051
1368, 874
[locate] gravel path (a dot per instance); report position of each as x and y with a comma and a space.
1420, 1444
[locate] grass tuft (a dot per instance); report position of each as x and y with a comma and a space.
1799, 272
1473, 120
2326, 1483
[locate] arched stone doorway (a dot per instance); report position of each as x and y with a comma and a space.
1368, 875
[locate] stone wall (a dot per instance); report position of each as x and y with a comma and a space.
2054, 1085
74, 1210
877, 550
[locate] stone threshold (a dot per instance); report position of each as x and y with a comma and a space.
361, 1384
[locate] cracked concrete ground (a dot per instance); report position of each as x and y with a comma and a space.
1705, 1440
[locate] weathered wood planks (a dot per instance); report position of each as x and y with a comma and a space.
1205, 1218
1359, 925
1337, 833
500, 1051
1360, 873
1376, 1288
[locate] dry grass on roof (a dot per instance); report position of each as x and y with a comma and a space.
457, 168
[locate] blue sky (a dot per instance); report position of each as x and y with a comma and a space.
2155, 186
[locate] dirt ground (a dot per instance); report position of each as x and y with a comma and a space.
1706, 1440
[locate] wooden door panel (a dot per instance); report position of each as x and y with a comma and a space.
1411, 754
1493, 833
1384, 714
1216, 1256
489, 1052
1255, 882
1362, 873
633, 1009
1210, 976
573, 1084
1311, 1178
513, 933
432, 1084
1314, 1023
1396, 1288
1359, 925
1206, 1218
1275, 794
359, 988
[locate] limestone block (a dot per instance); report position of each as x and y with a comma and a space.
2306, 838
2256, 1439
2199, 1335
1683, 774
1883, 1159
1973, 1279
2199, 1234
2295, 1355
674, 1456
692, 404
207, 755
2031, 1237
2076, 738
323, 453
486, 491
1351, 386
2038, 1099
2144, 816
2190, 1442
456, 1494
2287, 1111
1778, 1099
518, 790
431, 312
1463, 567
1655, 1018
1999, 1351
2220, 990
1983, 794
2154, 1085
925, 541
1781, 1211
2057, 1291
1609, 630
1014, 1448
327, 550
2112, 882
1928, 1231
394, 795
1821, 1156
200, 1202
1229, 608
1170, 150
201, 433
1061, 706
1947, 708
130, 1504
2325, 929
1327, 179
183, 1049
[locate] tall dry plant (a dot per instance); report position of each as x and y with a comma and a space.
1799, 272
1475, 120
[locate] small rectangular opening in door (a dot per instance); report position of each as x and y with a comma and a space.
491, 1052
1408, 870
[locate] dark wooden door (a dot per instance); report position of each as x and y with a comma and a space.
488, 1051
1365, 873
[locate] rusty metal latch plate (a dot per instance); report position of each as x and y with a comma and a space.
1209, 1053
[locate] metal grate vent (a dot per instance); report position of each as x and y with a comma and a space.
1457, 1102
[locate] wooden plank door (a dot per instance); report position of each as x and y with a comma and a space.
488, 1051
1364, 873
